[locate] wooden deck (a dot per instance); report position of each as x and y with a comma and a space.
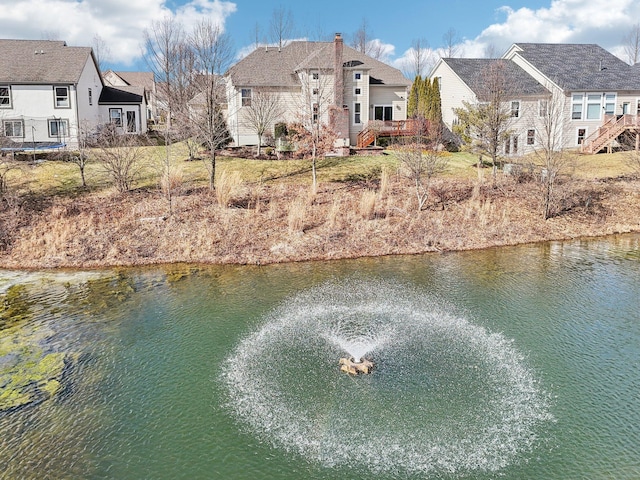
610, 130
395, 128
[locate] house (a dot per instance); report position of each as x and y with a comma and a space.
325, 82
598, 93
50, 93
139, 83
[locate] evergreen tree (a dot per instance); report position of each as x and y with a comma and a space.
412, 102
423, 98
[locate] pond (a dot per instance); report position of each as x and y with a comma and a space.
519, 362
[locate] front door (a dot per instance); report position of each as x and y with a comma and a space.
383, 112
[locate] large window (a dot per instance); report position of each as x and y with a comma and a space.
383, 112
610, 104
13, 128
61, 97
5, 96
58, 128
357, 119
115, 116
246, 97
594, 105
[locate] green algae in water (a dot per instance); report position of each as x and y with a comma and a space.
31, 380
15, 306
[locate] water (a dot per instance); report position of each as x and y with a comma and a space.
515, 363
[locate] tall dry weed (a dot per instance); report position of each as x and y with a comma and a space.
227, 186
384, 181
297, 214
367, 206
332, 214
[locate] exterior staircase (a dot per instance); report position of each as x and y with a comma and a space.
612, 128
395, 128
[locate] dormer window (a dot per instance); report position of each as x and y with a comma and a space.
61, 97
5, 96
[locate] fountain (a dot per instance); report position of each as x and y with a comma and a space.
447, 398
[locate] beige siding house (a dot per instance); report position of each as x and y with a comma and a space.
598, 93
328, 82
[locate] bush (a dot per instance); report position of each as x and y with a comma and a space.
280, 130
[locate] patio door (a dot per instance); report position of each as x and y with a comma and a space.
383, 112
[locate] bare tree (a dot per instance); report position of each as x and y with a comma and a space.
486, 123
419, 58
360, 38
451, 44
256, 38
81, 158
281, 26
101, 51
555, 159
631, 44
265, 109
213, 54
421, 164
119, 156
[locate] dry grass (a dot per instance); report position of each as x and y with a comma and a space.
54, 223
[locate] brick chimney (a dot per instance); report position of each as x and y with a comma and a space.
338, 71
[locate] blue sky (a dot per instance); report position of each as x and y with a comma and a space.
480, 25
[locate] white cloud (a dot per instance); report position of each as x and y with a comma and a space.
604, 22
119, 23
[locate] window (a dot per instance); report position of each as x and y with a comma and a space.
356, 113
357, 76
515, 109
315, 76
383, 112
582, 134
316, 91
610, 104
576, 107
90, 97
58, 128
357, 91
511, 145
625, 108
543, 108
13, 128
5, 96
62, 97
594, 106
131, 122
531, 137
115, 116
246, 97
315, 112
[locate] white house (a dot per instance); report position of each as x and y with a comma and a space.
50, 92
598, 93
327, 82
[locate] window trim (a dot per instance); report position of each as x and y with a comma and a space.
315, 76
531, 136
357, 91
580, 139
134, 124
56, 97
515, 112
13, 122
245, 100
117, 121
357, 113
577, 100
357, 76
61, 122
9, 103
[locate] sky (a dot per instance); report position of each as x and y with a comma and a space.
479, 26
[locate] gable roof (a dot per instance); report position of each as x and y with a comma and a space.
41, 61
580, 66
472, 72
136, 79
273, 67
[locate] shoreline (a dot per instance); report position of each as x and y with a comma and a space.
286, 225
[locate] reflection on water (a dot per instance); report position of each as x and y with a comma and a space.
141, 392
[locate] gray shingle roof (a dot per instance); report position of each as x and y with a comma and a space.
124, 95
472, 71
266, 67
54, 62
580, 66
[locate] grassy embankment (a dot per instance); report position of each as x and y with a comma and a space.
266, 212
